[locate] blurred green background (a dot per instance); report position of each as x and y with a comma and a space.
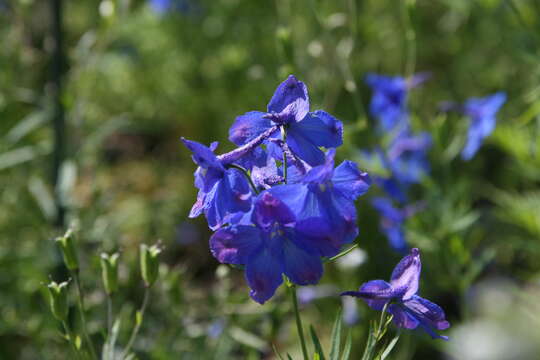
136, 78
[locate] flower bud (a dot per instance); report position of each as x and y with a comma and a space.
150, 263
59, 299
109, 272
67, 246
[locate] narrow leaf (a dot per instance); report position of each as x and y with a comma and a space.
289, 357
336, 337
347, 348
138, 318
78, 342
316, 343
390, 346
276, 351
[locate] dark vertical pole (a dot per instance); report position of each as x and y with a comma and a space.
57, 72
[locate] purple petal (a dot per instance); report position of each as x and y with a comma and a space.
248, 126
429, 313
234, 245
387, 210
302, 147
402, 318
316, 236
269, 209
300, 266
350, 180
321, 128
375, 293
291, 98
406, 275
322, 173
263, 274
202, 155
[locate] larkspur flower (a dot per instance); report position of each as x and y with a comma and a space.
482, 116
409, 310
163, 6
391, 223
326, 203
406, 157
270, 246
222, 192
389, 99
289, 109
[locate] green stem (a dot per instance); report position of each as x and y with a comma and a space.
299, 327
246, 174
109, 324
410, 39
343, 253
80, 300
138, 323
70, 339
284, 138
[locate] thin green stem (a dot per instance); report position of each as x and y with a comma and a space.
80, 301
284, 138
343, 253
299, 327
246, 174
109, 324
138, 323
70, 339
410, 39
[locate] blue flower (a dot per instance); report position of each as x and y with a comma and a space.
481, 113
163, 6
406, 157
269, 247
391, 223
289, 109
326, 203
389, 100
408, 309
222, 192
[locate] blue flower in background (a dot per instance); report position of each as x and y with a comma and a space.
306, 131
408, 309
482, 116
391, 223
164, 6
406, 157
222, 192
389, 99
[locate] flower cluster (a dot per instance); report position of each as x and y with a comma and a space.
399, 298
405, 159
277, 203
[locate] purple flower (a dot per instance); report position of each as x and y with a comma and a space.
163, 6
270, 246
481, 113
289, 108
408, 309
389, 99
222, 192
391, 223
407, 157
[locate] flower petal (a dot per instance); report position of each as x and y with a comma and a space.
406, 275
300, 266
375, 293
290, 97
234, 245
248, 126
428, 312
263, 274
403, 318
270, 209
321, 128
350, 180
302, 147
202, 155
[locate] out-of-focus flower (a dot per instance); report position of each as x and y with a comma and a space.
215, 329
164, 6
391, 223
399, 296
350, 311
389, 99
306, 131
482, 116
352, 260
308, 294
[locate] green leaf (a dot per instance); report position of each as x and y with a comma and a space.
316, 343
347, 349
289, 357
336, 337
370, 343
390, 346
276, 351
138, 318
